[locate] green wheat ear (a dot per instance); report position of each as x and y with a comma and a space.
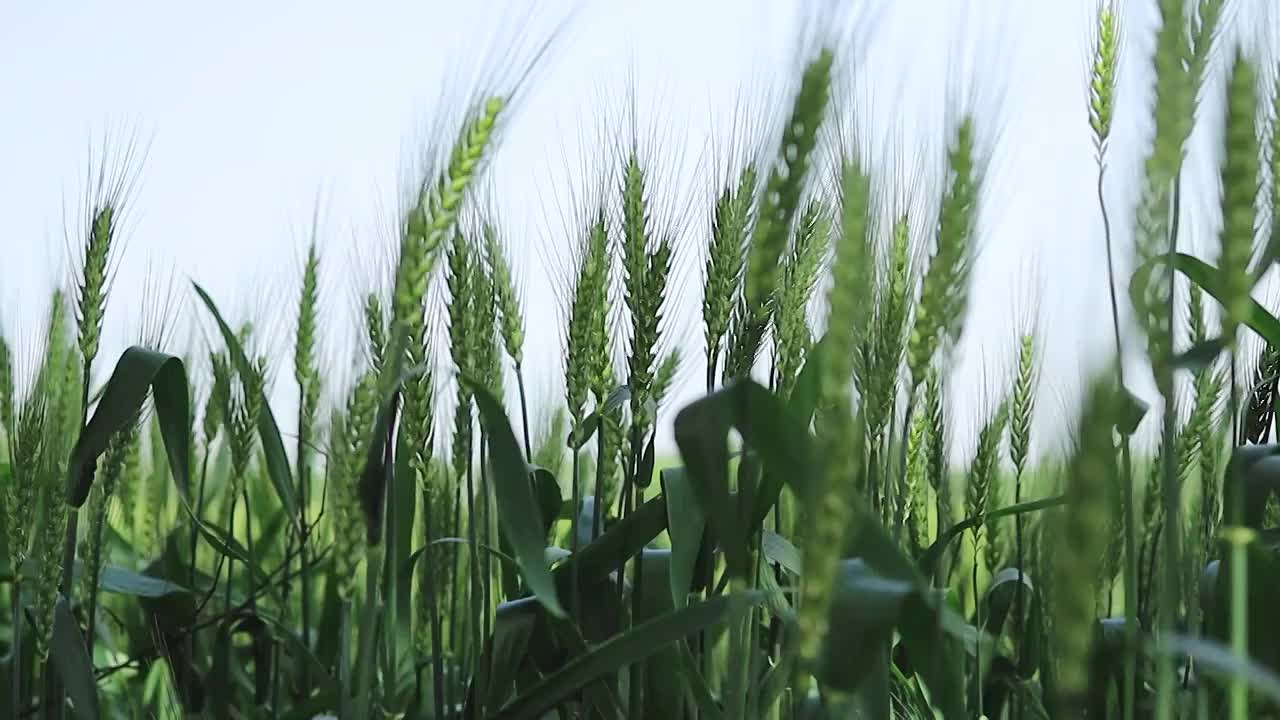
1102, 76
375, 328
730, 225
509, 311
840, 436
1081, 536
944, 289
430, 222
1240, 183
8, 418
791, 301
778, 206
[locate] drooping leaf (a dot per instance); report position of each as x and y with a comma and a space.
137, 371
515, 497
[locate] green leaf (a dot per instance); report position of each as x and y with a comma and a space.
685, 523
766, 426
137, 371
512, 628
515, 498
127, 582
621, 541
637, 644
71, 657
1209, 278
547, 488
379, 467
268, 432
779, 550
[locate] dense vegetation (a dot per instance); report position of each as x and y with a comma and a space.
430, 545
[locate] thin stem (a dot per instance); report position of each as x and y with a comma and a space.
1129, 685
524, 413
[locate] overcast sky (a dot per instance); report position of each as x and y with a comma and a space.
255, 114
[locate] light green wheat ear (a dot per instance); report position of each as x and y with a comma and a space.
1023, 404
509, 311
1151, 288
91, 292
1080, 540
375, 329
840, 435
1102, 76
666, 376
1240, 184
944, 290
779, 204
730, 225
984, 470
431, 220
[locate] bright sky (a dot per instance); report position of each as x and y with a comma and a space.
256, 113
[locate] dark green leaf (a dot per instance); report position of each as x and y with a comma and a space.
71, 657
620, 542
637, 644
547, 488
1129, 412
1200, 355
515, 497
685, 523
137, 371
1209, 278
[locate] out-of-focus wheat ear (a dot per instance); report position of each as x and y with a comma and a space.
1207, 384
886, 343
27, 443
840, 436
780, 202
1102, 76
1240, 182
1151, 288
944, 290
1205, 25
8, 417
1079, 540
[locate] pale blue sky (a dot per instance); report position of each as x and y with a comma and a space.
253, 110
